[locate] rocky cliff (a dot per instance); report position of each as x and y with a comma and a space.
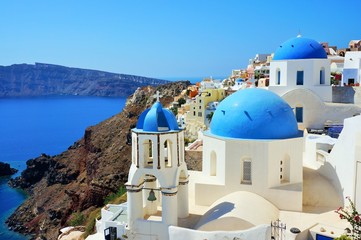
5, 169
80, 178
47, 79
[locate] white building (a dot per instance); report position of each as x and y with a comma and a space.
300, 74
239, 83
352, 68
247, 149
257, 165
261, 57
301, 63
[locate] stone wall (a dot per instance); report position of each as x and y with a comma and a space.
193, 160
343, 94
346, 94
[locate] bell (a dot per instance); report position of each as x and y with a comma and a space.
151, 196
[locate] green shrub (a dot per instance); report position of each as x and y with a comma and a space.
343, 237
77, 219
111, 197
174, 110
90, 222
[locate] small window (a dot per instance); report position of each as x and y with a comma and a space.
299, 78
199, 114
299, 114
194, 113
322, 76
278, 82
246, 171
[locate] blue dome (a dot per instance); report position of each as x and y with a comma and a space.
254, 113
157, 119
300, 48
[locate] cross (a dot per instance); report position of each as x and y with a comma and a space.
157, 95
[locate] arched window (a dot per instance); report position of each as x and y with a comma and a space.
278, 76
322, 76
168, 153
148, 153
246, 171
299, 114
213, 164
151, 197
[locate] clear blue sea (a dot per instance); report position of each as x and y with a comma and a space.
31, 126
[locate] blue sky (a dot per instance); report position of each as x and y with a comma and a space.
155, 38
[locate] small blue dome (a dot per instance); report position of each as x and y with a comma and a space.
157, 119
300, 48
254, 113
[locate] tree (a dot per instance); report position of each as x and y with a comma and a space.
174, 110
181, 101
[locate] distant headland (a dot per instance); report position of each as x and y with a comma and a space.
41, 79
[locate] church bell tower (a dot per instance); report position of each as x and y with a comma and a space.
157, 186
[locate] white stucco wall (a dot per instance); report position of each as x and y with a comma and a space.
292, 162
315, 111
358, 186
311, 77
219, 152
261, 232
166, 176
352, 67
345, 154
265, 156
341, 165
145, 230
236, 211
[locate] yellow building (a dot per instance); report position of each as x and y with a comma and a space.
198, 107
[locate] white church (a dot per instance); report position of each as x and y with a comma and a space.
263, 175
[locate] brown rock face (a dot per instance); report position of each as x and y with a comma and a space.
80, 178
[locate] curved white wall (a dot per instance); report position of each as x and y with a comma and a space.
259, 232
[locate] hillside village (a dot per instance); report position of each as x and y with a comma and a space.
202, 98
278, 146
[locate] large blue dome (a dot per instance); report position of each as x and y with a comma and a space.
300, 48
157, 119
254, 113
